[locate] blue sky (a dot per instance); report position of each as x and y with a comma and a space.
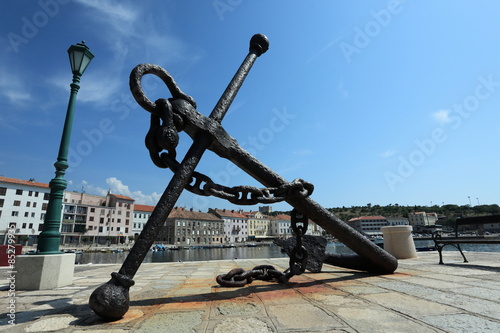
379, 102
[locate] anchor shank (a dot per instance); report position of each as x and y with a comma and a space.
258, 45
179, 180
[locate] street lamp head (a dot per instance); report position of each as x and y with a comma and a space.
79, 57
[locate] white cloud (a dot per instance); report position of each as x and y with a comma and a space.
13, 88
97, 88
442, 116
116, 186
114, 13
343, 92
388, 153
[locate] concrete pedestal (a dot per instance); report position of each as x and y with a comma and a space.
41, 272
399, 242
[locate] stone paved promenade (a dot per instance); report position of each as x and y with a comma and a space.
421, 296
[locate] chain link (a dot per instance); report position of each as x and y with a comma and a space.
238, 277
161, 141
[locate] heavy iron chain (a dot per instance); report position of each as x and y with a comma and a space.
161, 141
238, 277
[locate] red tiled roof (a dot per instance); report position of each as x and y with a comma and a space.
123, 197
22, 182
143, 208
281, 217
181, 213
230, 213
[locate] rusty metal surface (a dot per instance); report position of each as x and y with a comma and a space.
168, 117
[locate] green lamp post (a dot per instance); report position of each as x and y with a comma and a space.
49, 239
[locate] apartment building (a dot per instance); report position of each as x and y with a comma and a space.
23, 204
235, 225
141, 217
100, 219
396, 220
280, 226
369, 225
258, 226
186, 227
420, 220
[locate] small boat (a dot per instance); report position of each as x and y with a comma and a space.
425, 248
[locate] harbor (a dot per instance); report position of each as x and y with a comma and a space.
117, 254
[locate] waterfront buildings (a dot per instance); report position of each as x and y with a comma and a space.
258, 226
235, 225
422, 221
141, 217
280, 226
100, 219
186, 227
369, 225
396, 220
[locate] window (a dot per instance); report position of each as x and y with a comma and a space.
42, 216
34, 204
28, 203
44, 206
92, 210
46, 196
126, 230
100, 229
17, 203
30, 225
19, 192
24, 226
1, 202
26, 214
3, 190
15, 213
101, 220
127, 222
36, 194
91, 218
40, 227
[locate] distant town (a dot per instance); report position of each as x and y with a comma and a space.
117, 219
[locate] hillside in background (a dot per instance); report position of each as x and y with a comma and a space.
447, 213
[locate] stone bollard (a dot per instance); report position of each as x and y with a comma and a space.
399, 242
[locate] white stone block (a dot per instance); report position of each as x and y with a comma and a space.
46, 271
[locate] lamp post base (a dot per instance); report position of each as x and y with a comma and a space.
43, 272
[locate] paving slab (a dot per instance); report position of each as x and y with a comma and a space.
422, 296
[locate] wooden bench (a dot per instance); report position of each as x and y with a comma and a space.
440, 242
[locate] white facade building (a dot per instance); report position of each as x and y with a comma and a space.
422, 219
23, 204
280, 226
235, 225
141, 217
396, 220
369, 225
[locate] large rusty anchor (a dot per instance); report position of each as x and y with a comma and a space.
178, 113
